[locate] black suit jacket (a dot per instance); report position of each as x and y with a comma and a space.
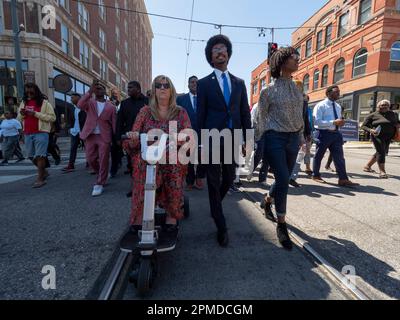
185, 102
212, 110
127, 114
71, 117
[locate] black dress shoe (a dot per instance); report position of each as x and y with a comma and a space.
223, 239
283, 236
294, 183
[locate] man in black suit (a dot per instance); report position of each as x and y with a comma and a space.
128, 112
75, 121
189, 102
222, 104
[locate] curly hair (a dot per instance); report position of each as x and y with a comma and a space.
218, 39
278, 59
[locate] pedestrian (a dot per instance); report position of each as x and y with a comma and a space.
382, 126
116, 149
305, 141
53, 149
195, 176
10, 130
161, 111
281, 120
222, 104
127, 114
258, 155
36, 115
328, 119
97, 132
75, 122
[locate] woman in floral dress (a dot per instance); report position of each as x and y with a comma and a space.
160, 114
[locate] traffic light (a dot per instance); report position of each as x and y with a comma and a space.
272, 48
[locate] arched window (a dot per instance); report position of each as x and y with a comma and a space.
324, 81
360, 63
306, 83
316, 79
395, 56
338, 74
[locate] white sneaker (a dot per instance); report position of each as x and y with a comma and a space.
97, 190
249, 177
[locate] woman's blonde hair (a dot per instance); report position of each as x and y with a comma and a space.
117, 93
173, 108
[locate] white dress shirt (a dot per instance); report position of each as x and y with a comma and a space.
324, 116
76, 129
100, 109
192, 100
219, 73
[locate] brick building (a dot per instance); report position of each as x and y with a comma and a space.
99, 40
352, 43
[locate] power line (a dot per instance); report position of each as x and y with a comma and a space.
189, 43
216, 25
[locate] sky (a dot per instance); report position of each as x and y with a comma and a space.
249, 50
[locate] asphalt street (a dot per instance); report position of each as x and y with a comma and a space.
61, 225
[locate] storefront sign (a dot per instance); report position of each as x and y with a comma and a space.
350, 130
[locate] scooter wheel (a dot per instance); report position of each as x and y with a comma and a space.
145, 277
186, 208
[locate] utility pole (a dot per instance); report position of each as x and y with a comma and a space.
16, 30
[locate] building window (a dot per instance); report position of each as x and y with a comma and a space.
118, 56
83, 17
255, 88
126, 26
308, 48
84, 54
126, 48
360, 63
126, 67
63, 3
102, 10
102, 39
365, 11
398, 5
103, 69
117, 34
64, 38
319, 40
324, 81
118, 81
343, 24
328, 34
395, 56
316, 80
306, 83
263, 83
117, 10
339, 71
298, 50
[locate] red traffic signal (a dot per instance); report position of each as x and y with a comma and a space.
272, 48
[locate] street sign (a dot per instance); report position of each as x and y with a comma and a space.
62, 83
29, 77
350, 130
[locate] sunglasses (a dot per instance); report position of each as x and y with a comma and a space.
162, 85
295, 57
218, 50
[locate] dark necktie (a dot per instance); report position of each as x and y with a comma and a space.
335, 113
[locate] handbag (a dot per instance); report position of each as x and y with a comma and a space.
396, 137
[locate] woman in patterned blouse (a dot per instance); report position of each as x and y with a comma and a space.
161, 113
280, 122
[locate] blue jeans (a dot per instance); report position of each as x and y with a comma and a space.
333, 141
36, 145
281, 150
258, 156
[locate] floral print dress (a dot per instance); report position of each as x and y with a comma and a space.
170, 177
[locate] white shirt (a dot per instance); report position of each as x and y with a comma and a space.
324, 116
219, 73
76, 129
9, 128
253, 115
192, 100
100, 109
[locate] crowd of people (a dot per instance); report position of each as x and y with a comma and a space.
284, 130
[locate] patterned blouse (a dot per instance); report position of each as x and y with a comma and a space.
280, 108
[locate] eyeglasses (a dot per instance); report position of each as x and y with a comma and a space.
162, 85
384, 106
220, 50
295, 57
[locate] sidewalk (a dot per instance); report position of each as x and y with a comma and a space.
367, 145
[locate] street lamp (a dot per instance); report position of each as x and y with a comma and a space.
17, 29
